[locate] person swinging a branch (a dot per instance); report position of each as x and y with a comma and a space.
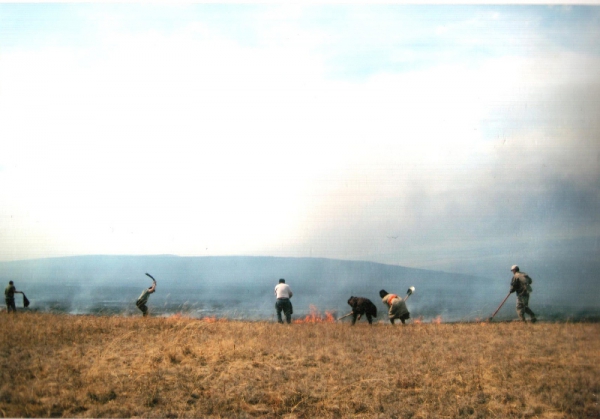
143, 298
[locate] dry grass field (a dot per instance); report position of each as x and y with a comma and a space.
110, 366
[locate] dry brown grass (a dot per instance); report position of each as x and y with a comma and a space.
93, 366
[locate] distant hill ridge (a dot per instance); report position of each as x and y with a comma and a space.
245, 284
182, 269
326, 283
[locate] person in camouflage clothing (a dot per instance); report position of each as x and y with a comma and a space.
521, 284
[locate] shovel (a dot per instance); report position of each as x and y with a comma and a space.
409, 293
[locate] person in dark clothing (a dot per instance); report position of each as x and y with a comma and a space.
360, 306
9, 297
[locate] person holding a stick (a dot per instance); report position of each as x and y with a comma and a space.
396, 306
143, 298
283, 293
521, 284
9, 297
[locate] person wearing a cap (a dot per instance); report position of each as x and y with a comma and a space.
283, 292
521, 284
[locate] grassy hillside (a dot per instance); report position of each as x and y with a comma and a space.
110, 366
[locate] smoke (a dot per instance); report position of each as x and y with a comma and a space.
242, 287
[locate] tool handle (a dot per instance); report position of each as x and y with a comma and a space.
349, 314
500, 306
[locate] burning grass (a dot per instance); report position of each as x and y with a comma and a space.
101, 366
316, 317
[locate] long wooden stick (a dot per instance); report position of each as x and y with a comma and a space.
349, 314
499, 307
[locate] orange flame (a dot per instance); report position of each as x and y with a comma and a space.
316, 317
437, 320
418, 320
213, 319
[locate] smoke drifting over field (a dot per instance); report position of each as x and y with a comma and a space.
460, 138
242, 287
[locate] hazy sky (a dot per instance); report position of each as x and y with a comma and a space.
433, 136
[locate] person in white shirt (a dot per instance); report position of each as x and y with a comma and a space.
283, 292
